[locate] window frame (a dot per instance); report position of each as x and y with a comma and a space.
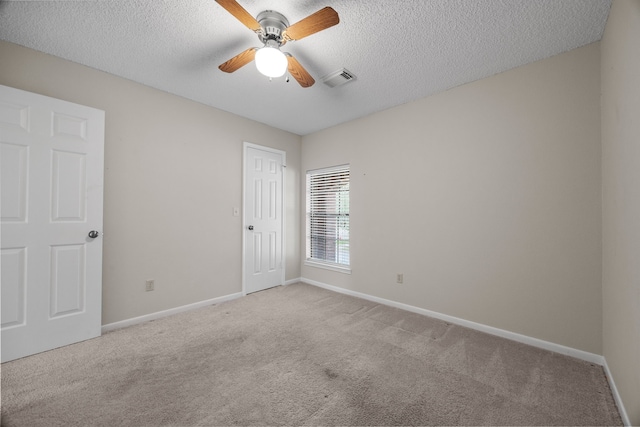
320, 262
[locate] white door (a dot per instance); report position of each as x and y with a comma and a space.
51, 169
263, 218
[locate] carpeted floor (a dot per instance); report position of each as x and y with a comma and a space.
301, 355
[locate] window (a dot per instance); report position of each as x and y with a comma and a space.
328, 218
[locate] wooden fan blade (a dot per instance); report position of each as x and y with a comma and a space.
321, 20
240, 13
299, 73
239, 60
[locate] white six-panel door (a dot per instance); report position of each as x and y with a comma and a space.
51, 169
263, 218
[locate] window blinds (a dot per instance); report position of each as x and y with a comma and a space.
328, 215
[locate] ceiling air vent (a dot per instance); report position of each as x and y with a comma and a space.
338, 78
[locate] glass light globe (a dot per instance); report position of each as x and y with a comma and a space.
271, 62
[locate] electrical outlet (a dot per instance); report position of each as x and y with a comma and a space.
400, 278
149, 285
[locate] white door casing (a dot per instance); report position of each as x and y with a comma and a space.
263, 218
51, 168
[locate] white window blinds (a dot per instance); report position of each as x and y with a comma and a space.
328, 215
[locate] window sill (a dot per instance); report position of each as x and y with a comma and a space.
327, 266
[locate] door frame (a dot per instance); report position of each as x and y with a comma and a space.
283, 154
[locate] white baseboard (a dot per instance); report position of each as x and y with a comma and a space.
616, 395
557, 348
169, 312
568, 351
579, 354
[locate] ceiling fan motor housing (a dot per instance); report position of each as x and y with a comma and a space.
273, 25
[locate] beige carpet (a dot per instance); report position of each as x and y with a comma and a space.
301, 355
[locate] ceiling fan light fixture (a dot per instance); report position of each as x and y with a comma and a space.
271, 62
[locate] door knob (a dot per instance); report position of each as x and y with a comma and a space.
93, 234
250, 227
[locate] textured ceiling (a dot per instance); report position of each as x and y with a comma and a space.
399, 51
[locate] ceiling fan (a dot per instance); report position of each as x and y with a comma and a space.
274, 31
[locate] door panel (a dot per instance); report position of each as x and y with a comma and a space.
13, 163
263, 245
68, 282
52, 181
13, 261
68, 179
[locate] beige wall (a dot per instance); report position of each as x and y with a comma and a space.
621, 200
173, 173
486, 197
